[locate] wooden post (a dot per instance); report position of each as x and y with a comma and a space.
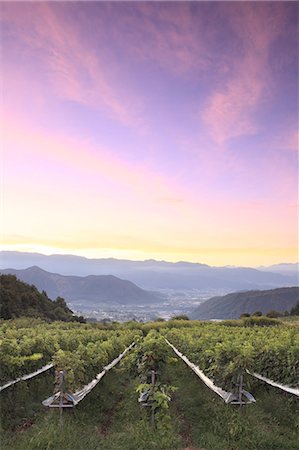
153, 377
153, 386
61, 382
240, 388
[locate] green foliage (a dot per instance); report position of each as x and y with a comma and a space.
109, 418
159, 395
251, 321
244, 315
19, 299
261, 321
152, 353
180, 317
181, 323
82, 350
274, 314
271, 423
151, 358
223, 352
295, 311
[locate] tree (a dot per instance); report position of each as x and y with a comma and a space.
18, 299
62, 304
295, 311
274, 314
257, 313
180, 317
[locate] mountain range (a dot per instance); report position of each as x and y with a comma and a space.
92, 290
231, 306
155, 275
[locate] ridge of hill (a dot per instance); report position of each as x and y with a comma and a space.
18, 299
231, 306
92, 290
153, 275
282, 268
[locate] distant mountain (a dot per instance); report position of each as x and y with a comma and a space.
153, 274
18, 299
283, 268
91, 290
231, 306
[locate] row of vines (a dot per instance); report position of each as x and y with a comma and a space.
225, 352
82, 350
148, 361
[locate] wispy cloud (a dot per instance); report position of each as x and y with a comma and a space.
230, 109
74, 70
172, 35
84, 80
174, 39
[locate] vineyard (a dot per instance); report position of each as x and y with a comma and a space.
224, 353
149, 397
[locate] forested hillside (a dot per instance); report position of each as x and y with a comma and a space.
231, 306
19, 299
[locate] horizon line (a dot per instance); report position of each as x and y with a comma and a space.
144, 260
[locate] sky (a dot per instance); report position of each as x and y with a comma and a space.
138, 130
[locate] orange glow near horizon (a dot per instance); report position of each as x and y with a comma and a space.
247, 257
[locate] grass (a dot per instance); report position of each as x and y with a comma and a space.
272, 423
110, 418
290, 320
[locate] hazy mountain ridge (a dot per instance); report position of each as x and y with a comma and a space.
282, 268
151, 274
231, 306
93, 289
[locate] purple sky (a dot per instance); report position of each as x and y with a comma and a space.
148, 129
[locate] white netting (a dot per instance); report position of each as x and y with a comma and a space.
228, 397
81, 393
289, 389
26, 377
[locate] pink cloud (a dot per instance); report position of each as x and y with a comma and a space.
75, 71
292, 141
230, 109
165, 33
